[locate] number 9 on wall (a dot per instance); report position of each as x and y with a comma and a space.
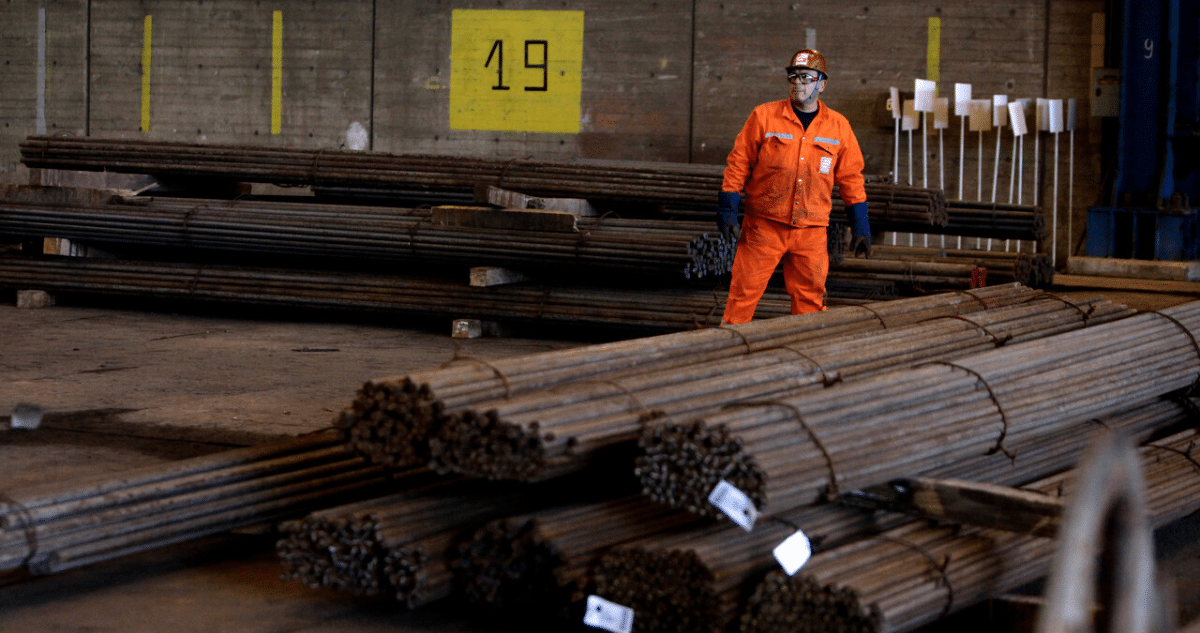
516, 71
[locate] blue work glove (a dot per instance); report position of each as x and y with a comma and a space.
727, 210
859, 228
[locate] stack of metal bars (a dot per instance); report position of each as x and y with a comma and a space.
393, 418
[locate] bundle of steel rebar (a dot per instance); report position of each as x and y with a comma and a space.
1031, 269
400, 545
1037, 268
790, 451
653, 182
912, 575
691, 579
913, 276
994, 220
554, 431
722, 560
617, 180
393, 418
637, 309
892, 207
58, 526
843, 289
536, 561
610, 245
676, 449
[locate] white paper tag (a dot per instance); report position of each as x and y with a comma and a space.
793, 552
1056, 116
962, 99
894, 102
735, 504
1016, 116
610, 616
923, 92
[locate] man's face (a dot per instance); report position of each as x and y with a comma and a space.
806, 85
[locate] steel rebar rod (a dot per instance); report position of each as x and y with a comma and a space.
393, 418
519, 437
972, 564
53, 527
790, 451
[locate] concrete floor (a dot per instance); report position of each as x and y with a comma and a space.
124, 388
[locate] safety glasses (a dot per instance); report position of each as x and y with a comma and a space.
803, 77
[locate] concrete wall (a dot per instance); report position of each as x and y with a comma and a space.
54, 100
671, 80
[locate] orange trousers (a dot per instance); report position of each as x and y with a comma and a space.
763, 243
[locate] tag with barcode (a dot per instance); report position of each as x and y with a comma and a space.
609, 616
793, 552
735, 504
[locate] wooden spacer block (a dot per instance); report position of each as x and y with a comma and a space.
1133, 268
34, 299
475, 328
63, 246
466, 328
506, 199
578, 207
483, 276
518, 219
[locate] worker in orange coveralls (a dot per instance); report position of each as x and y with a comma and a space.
787, 159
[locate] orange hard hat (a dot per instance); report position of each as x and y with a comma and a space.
808, 58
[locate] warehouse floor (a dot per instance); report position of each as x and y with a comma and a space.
130, 387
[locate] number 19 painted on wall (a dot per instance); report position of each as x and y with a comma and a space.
539, 91
498, 53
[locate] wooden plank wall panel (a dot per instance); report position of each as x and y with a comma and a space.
211, 70
65, 75
637, 81
412, 78
18, 84
116, 73
635, 93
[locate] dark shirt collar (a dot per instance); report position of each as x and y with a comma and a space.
806, 118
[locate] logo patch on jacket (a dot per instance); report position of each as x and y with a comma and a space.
826, 164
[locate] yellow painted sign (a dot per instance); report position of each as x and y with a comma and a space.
147, 41
516, 71
933, 50
277, 72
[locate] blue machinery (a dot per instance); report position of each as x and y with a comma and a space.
1157, 176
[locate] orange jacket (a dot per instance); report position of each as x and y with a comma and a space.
787, 172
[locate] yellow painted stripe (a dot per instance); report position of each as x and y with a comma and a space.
933, 51
277, 74
146, 39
